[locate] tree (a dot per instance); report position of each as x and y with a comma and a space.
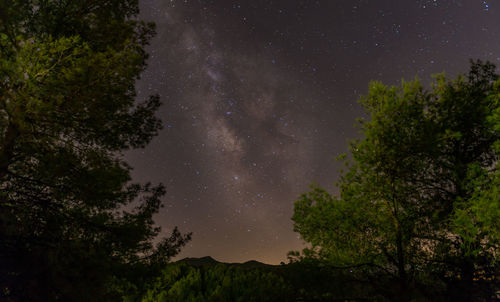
67, 112
407, 208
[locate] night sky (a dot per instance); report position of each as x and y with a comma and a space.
261, 96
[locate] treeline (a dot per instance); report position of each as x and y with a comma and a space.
229, 282
182, 282
307, 280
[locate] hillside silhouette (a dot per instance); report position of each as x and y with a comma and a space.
208, 260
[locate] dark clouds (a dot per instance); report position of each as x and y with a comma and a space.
260, 96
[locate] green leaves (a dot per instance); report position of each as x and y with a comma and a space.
221, 282
477, 219
67, 111
423, 186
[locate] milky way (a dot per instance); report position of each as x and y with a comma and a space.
261, 96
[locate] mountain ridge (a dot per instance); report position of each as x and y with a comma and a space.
208, 260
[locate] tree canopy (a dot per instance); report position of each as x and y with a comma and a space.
221, 282
419, 200
67, 112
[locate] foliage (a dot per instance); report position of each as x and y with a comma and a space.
181, 282
297, 281
418, 202
67, 111
479, 219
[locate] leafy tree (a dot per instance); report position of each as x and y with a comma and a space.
67, 112
408, 209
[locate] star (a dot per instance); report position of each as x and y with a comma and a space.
258, 98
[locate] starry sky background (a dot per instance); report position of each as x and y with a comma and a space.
260, 96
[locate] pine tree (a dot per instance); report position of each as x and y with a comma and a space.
67, 113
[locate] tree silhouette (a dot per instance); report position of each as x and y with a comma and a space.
418, 202
67, 111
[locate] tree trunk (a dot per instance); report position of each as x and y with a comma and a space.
466, 288
404, 294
